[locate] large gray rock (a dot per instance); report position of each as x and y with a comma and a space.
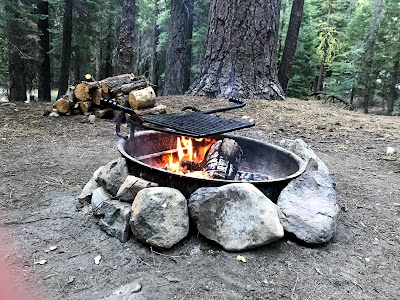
309, 207
98, 197
131, 186
237, 216
303, 150
86, 194
114, 215
160, 216
112, 175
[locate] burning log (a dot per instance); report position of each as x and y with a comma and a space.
223, 159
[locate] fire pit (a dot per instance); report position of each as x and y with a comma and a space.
145, 150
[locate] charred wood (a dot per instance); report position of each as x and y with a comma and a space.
223, 159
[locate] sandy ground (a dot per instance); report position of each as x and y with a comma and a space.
46, 161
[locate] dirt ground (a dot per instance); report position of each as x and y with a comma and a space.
46, 161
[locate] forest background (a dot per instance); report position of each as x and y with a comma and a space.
347, 48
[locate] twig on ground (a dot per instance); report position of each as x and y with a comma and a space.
166, 255
313, 291
294, 287
20, 222
187, 292
79, 254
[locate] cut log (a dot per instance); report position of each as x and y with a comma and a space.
63, 105
111, 84
223, 159
140, 83
143, 98
104, 113
156, 110
95, 95
81, 92
85, 106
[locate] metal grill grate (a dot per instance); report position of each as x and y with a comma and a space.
195, 124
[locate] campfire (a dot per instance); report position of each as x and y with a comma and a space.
188, 157
189, 163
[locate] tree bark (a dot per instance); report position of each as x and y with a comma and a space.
125, 47
66, 51
290, 43
178, 58
241, 46
16, 64
44, 89
395, 78
154, 65
367, 79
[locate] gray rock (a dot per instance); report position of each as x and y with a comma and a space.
303, 150
309, 207
114, 215
127, 291
86, 195
160, 216
98, 197
131, 186
114, 220
237, 216
112, 175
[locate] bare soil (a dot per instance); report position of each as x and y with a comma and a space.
46, 161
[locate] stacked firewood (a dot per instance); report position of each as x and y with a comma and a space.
126, 89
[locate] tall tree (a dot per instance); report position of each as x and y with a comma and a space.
16, 63
44, 90
367, 77
178, 59
66, 49
290, 43
240, 56
125, 43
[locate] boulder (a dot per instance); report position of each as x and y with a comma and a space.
114, 215
86, 195
237, 216
131, 186
303, 150
309, 207
112, 175
160, 216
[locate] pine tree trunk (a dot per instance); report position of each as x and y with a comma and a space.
290, 43
154, 65
66, 51
125, 44
394, 93
44, 89
366, 74
16, 65
178, 60
240, 55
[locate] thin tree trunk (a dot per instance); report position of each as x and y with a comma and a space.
66, 51
44, 89
16, 64
367, 72
321, 71
395, 79
125, 44
241, 48
290, 43
178, 59
154, 56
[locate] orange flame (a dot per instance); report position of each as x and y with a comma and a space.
187, 150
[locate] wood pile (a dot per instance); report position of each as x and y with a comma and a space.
126, 89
